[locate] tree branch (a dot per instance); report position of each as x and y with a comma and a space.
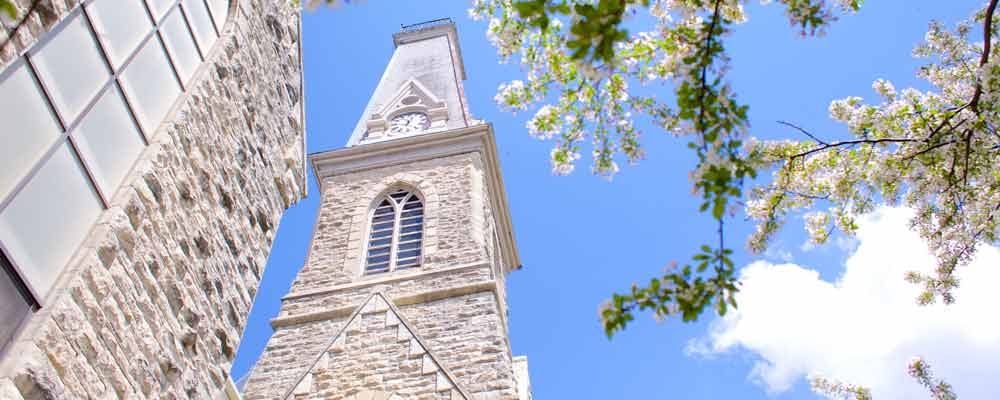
945, 121
805, 132
849, 143
929, 148
704, 68
987, 36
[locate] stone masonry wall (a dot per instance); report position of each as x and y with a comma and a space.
375, 357
379, 353
467, 330
155, 301
468, 335
335, 255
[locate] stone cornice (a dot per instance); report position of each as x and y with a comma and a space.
473, 139
417, 298
385, 279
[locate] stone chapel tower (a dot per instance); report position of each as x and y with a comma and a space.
403, 292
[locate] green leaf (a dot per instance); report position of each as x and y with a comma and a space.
7, 7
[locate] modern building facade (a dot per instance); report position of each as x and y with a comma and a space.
147, 152
403, 292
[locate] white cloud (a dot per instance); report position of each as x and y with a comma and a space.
864, 327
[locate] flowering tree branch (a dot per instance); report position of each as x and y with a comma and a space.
934, 151
685, 49
985, 56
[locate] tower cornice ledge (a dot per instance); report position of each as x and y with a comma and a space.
417, 298
374, 280
473, 139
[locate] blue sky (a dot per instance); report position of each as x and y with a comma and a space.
581, 237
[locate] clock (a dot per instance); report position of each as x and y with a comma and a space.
410, 122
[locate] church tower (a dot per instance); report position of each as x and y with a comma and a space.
403, 292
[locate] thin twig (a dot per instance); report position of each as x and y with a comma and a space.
945, 121
849, 143
805, 132
807, 196
929, 148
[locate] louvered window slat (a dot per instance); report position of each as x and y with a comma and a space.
411, 236
396, 233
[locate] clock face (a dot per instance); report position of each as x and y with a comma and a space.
409, 122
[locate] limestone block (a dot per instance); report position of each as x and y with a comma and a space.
391, 319
338, 345
428, 366
443, 384
403, 334
416, 350
304, 386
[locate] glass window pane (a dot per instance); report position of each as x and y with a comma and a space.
201, 23
150, 85
108, 140
412, 220
180, 44
412, 236
13, 306
398, 196
378, 259
409, 246
121, 25
159, 7
408, 254
29, 127
413, 213
48, 219
377, 268
220, 11
71, 67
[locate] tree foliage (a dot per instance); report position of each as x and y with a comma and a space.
934, 151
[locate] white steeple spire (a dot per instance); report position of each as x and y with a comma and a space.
421, 89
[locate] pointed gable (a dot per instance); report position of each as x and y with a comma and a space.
411, 97
399, 363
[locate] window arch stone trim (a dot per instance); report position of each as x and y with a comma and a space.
358, 236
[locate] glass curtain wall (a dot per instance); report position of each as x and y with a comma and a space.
78, 107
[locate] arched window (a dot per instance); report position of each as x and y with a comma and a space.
396, 233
